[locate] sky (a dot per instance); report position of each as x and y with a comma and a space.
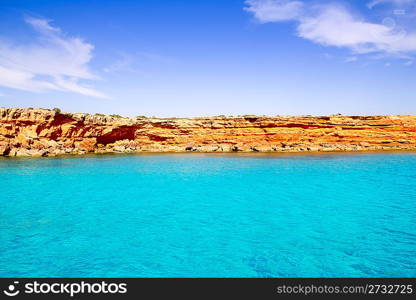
187, 58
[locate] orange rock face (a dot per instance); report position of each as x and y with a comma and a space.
43, 132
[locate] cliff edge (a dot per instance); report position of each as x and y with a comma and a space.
44, 132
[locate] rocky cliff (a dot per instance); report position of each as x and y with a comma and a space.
43, 132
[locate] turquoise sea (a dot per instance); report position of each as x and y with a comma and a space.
209, 215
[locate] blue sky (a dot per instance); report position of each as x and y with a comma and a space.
200, 58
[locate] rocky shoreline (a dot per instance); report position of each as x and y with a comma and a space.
44, 132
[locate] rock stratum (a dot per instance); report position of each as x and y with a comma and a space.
44, 132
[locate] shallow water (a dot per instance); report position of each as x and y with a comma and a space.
195, 215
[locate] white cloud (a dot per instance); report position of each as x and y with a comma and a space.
53, 61
274, 10
335, 25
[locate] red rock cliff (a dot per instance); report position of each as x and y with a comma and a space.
43, 132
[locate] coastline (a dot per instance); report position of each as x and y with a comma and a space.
268, 155
44, 132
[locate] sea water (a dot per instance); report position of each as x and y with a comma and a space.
206, 215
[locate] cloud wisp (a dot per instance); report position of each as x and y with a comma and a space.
351, 59
335, 25
374, 3
275, 11
52, 62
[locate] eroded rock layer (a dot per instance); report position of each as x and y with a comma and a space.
43, 132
